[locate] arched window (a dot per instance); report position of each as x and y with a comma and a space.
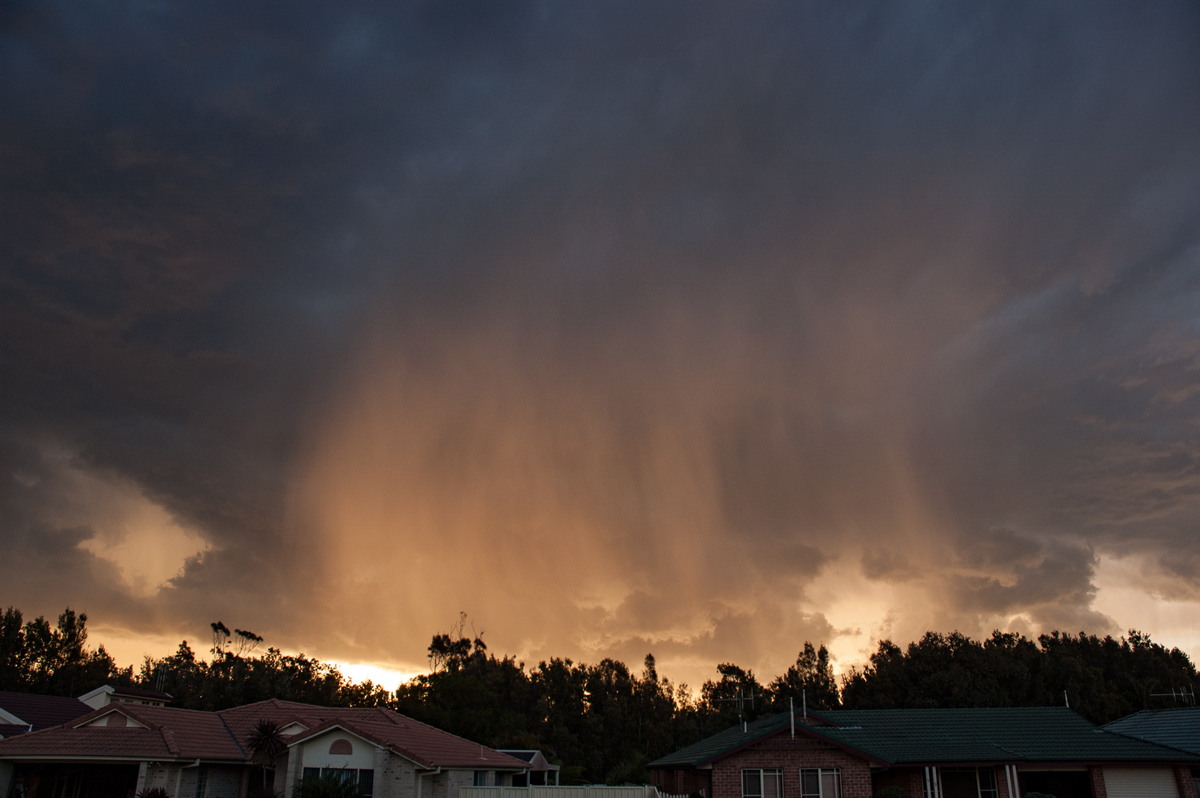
341, 747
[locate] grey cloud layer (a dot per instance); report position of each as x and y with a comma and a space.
896, 283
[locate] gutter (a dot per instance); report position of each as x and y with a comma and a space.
433, 772
179, 774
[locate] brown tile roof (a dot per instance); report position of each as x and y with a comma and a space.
425, 745
171, 733
192, 732
242, 720
42, 711
167, 733
61, 743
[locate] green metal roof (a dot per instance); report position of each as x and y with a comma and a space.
931, 736
723, 743
1178, 728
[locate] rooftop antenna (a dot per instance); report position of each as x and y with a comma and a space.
740, 700
1181, 694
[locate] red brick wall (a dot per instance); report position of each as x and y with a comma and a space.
1183, 776
682, 782
1096, 774
790, 755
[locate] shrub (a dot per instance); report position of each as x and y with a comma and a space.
328, 785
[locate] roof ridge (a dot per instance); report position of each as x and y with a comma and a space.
132, 714
169, 740
232, 736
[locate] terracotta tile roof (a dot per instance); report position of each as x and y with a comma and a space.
425, 745
242, 720
166, 733
171, 733
62, 743
192, 732
42, 711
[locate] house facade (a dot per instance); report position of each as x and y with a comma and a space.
1176, 728
123, 748
927, 753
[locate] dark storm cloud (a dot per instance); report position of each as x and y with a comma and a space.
730, 295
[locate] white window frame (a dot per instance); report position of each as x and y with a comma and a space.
981, 790
829, 782
761, 775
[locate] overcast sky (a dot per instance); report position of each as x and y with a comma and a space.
688, 328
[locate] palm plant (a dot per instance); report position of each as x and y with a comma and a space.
266, 745
327, 785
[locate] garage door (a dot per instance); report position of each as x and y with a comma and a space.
1140, 783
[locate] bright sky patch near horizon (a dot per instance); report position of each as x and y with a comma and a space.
622, 327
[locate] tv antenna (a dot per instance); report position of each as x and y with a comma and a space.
1183, 695
743, 696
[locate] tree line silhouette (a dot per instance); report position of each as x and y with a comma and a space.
603, 721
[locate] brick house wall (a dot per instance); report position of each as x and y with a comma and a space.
1187, 784
680, 781
790, 754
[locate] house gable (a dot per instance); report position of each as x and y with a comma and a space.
335, 747
791, 756
114, 718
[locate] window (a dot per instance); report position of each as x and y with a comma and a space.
762, 783
968, 783
201, 781
65, 786
481, 778
362, 780
820, 783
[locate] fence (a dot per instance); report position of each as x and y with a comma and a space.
570, 791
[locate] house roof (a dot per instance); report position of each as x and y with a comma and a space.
164, 733
723, 743
927, 736
127, 692
1177, 728
533, 757
40, 711
986, 734
423, 744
